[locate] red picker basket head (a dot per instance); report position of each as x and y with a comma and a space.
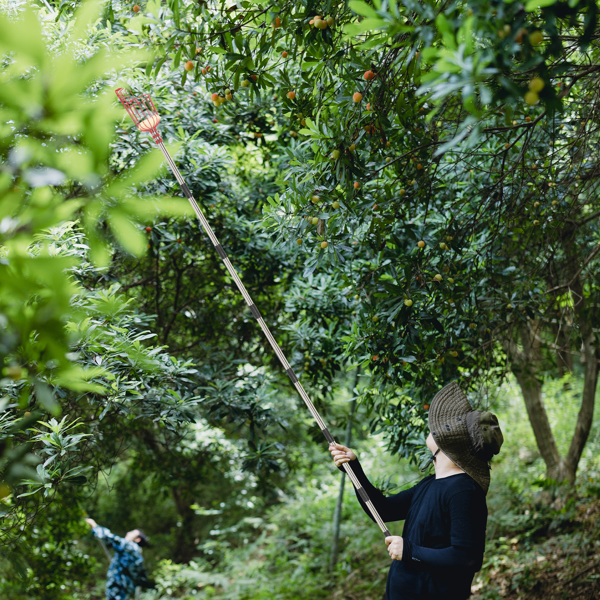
143, 112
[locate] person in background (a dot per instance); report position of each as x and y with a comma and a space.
126, 570
445, 515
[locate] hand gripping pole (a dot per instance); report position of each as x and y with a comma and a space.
146, 118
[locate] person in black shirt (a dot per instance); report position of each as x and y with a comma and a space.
445, 515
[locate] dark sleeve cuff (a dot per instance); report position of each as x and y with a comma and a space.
407, 551
352, 462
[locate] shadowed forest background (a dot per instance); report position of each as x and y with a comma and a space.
409, 191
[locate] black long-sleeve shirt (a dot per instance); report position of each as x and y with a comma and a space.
444, 535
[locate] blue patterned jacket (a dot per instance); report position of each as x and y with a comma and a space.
126, 570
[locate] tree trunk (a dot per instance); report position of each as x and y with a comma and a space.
586, 412
564, 357
337, 515
185, 547
525, 365
589, 356
185, 544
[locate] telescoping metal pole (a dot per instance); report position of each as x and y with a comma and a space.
146, 118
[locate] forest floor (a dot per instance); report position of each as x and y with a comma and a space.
560, 564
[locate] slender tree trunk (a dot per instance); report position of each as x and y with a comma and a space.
337, 515
185, 545
586, 412
184, 536
564, 358
525, 366
584, 317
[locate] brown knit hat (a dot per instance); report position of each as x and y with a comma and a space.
469, 438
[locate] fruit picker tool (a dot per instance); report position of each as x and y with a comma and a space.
108, 555
101, 542
146, 118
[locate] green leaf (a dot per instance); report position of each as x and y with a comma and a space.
176, 12
369, 24
363, 9
46, 398
153, 7
533, 5
447, 31
127, 234
408, 359
76, 480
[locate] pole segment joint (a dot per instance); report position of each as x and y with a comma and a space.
363, 494
255, 312
328, 435
186, 190
220, 251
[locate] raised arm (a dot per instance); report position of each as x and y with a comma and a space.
390, 508
111, 540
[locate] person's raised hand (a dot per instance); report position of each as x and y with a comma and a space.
395, 546
341, 454
91, 523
